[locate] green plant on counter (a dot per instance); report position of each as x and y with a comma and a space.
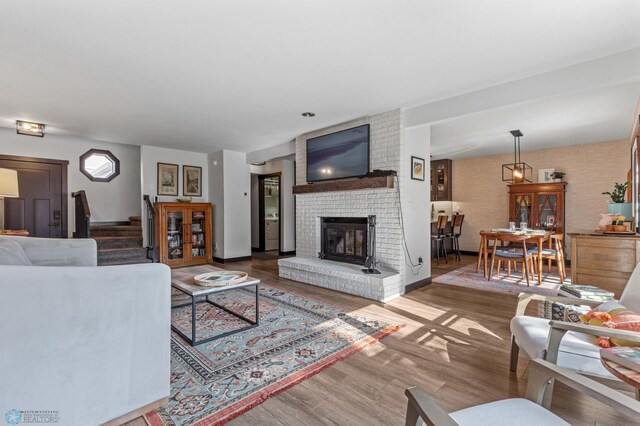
619, 190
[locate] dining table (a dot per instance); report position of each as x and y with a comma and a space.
533, 236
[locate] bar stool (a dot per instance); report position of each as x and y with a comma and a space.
439, 238
456, 231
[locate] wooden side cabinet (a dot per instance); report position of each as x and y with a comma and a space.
541, 205
184, 233
604, 261
441, 183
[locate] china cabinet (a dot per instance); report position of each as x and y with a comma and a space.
540, 205
441, 183
184, 233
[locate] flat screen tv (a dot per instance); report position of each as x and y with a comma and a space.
338, 155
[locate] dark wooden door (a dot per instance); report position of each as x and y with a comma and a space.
41, 207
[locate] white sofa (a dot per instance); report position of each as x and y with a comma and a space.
90, 342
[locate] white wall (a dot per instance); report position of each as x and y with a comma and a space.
150, 156
255, 210
287, 215
237, 206
216, 196
415, 204
230, 183
108, 201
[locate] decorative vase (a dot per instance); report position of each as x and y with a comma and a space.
623, 209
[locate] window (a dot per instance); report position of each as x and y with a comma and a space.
99, 165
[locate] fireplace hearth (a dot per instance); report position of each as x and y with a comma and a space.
344, 239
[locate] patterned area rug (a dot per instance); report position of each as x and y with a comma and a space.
467, 276
297, 338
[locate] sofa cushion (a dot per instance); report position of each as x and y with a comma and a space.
577, 352
11, 253
515, 411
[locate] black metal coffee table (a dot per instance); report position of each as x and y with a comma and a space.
182, 280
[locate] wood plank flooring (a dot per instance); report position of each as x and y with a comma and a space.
455, 345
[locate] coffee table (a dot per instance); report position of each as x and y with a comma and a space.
182, 280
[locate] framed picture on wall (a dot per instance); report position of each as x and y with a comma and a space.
192, 181
417, 168
167, 179
544, 175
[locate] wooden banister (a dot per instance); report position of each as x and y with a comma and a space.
82, 213
152, 250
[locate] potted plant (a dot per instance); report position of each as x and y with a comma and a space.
617, 204
557, 176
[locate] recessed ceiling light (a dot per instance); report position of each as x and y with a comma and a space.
30, 128
308, 114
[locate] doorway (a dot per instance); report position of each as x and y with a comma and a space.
269, 209
41, 207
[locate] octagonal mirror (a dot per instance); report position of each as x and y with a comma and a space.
99, 165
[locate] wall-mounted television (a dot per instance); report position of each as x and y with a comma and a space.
338, 155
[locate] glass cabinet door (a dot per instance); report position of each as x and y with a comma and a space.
522, 209
198, 234
547, 212
175, 237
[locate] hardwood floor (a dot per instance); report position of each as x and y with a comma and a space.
455, 345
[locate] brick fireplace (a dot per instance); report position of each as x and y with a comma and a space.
352, 207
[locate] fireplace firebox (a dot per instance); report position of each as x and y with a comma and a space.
344, 239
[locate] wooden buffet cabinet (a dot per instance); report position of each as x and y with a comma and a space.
541, 205
604, 261
184, 233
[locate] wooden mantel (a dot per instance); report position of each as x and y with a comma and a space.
378, 182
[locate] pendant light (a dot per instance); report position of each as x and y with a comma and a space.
518, 171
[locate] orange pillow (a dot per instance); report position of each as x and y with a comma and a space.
615, 317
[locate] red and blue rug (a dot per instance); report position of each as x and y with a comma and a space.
297, 338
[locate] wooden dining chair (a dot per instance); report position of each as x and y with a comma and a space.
554, 251
441, 226
456, 232
516, 252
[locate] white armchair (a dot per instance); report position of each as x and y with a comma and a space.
530, 411
89, 342
576, 349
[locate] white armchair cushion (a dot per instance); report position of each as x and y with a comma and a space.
508, 412
11, 253
58, 251
577, 352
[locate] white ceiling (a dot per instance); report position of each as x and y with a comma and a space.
597, 115
205, 75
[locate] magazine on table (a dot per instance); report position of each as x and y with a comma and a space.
226, 277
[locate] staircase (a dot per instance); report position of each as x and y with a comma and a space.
120, 244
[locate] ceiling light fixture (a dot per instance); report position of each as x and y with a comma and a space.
518, 171
30, 128
309, 114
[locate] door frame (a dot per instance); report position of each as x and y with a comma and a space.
64, 165
261, 220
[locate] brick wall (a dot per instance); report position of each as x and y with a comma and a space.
385, 154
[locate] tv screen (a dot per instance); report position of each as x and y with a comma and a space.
338, 155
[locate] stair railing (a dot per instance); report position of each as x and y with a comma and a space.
82, 213
152, 251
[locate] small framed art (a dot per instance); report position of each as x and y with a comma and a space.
417, 168
544, 175
192, 181
167, 179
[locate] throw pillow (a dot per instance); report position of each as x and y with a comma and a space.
613, 315
11, 253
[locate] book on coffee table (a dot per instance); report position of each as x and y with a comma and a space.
626, 356
586, 292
